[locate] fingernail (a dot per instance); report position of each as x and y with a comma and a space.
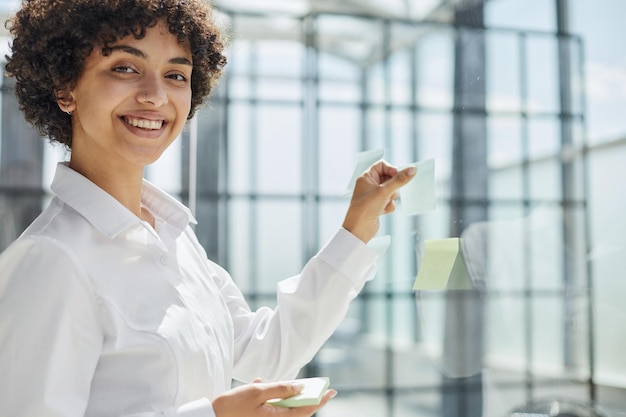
333, 394
411, 170
298, 387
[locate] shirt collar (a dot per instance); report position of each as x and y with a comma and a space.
107, 214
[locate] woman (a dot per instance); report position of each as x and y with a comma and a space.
109, 306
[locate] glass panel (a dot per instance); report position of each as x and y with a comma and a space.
356, 403
506, 183
400, 74
267, 46
435, 70
279, 89
403, 320
241, 134
545, 180
279, 242
434, 132
544, 137
282, 57
239, 256
608, 261
279, 149
577, 76
420, 404
331, 215
542, 72
376, 86
505, 142
547, 336
401, 149
402, 255
241, 87
431, 313
337, 67
521, 14
545, 234
355, 40
339, 142
505, 338
339, 78
502, 71
375, 133
240, 57
507, 247
354, 357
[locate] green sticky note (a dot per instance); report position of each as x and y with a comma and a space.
363, 161
312, 393
418, 196
442, 267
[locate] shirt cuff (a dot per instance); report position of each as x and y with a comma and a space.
350, 256
197, 408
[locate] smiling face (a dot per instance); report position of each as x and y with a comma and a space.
129, 105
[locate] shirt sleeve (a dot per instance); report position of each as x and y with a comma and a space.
275, 344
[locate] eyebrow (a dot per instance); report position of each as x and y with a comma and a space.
140, 54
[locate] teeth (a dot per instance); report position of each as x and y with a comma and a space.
145, 124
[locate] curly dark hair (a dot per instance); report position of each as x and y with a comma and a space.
52, 39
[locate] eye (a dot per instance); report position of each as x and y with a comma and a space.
124, 69
177, 77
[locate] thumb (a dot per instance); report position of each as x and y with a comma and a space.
282, 390
400, 179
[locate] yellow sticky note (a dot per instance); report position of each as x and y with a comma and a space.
442, 267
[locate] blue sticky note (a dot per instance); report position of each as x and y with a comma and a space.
418, 196
364, 161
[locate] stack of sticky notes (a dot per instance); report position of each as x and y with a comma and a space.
312, 393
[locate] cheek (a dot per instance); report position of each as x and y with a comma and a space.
186, 103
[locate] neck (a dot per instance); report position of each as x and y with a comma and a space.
122, 182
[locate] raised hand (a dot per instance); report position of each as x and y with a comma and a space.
374, 195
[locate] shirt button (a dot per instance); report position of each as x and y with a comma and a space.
164, 260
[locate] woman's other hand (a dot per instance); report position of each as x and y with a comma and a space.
374, 195
250, 401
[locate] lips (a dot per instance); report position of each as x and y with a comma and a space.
144, 123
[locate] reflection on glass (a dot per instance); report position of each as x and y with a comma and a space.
503, 71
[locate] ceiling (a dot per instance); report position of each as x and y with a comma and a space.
412, 9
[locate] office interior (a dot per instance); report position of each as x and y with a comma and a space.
522, 106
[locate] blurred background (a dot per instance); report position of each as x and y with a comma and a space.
522, 105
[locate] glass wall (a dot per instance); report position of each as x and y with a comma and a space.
266, 164
303, 96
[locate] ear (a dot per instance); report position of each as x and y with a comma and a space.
65, 101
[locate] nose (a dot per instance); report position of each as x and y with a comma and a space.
152, 92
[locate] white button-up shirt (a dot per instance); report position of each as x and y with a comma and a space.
102, 315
